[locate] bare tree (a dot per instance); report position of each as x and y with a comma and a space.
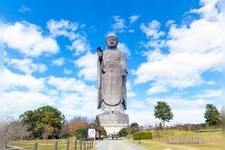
47, 131
14, 129
64, 132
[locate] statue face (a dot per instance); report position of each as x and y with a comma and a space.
112, 42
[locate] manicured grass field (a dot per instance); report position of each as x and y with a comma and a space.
211, 140
44, 144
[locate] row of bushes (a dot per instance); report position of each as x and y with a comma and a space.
142, 135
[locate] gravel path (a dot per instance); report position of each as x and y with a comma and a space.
117, 145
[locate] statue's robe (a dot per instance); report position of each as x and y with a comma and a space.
112, 79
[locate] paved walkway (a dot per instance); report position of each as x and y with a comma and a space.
118, 144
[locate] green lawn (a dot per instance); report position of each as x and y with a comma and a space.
211, 140
44, 144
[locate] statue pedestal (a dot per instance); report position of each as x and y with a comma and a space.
113, 122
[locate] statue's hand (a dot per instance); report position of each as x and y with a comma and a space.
124, 71
99, 51
99, 54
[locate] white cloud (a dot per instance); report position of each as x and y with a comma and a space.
137, 112
70, 104
23, 101
180, 70
180, 103
58, 62
137, 105
183, 107
26, 65
180, 108
6, 59
23, 89
70, 30
63, 28
71, 85
131, 30
119, 25
152, 29
88, 66
2, 53
170, 22
193, 50
162, 67
64, 84
156, 88
201, 37
12, 81
80, 46
27, 38
153, 34
141, 117
66, 71
208, 10
123, 47
1, 87
134, 18
73, 104
154, 44
24, 9
210, 94
69, 95
211, 83
130, 93
187, 116
76, 97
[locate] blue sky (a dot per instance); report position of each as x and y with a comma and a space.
173, 51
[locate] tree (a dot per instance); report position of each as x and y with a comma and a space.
163, 112
64, 132
96, 125
99, 127
212, 115
160, 126
44, 122
134, 127
123, 132
14, 129
77, 123
81, 133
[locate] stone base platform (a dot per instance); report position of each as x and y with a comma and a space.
113, 122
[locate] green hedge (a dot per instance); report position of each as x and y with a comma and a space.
142, 135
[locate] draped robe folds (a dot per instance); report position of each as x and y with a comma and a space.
112, 79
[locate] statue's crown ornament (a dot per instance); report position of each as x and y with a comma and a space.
111, 34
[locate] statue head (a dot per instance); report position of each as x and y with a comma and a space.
111, 41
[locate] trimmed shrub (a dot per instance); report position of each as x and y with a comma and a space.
81, 133
123, 132
142, 135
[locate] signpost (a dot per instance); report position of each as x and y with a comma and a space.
91, 133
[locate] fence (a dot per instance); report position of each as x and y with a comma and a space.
185, 140
68, 145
